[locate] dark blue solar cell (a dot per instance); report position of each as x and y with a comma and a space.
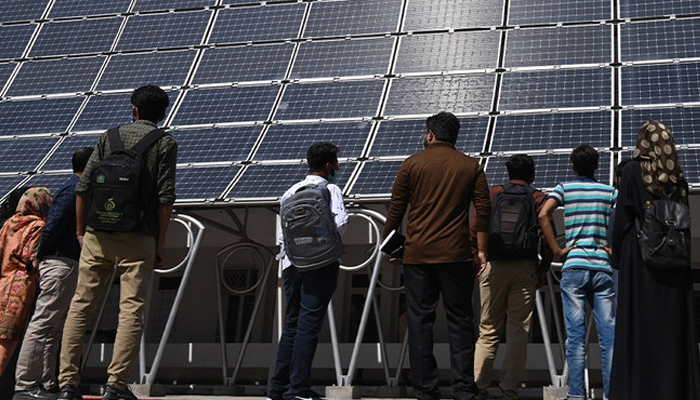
453, 93
14, 39
203, 183
51, 182
440, 14
38, 116
106, 111
240, 2
8, 183
72, 75
60, 159
79, 8
660, 40
233, 64
527, 12
338, 58
5, 72
21, 10
158, 5
129, 71
655, 8
290, 142
559, 46
216, 144
690, 162
660, 84
376, 178
157, 31
330, 100
76, 37
552, 131
237, 104
255, 24
556, 89
437, 52
343, 18
23, 154
684, 123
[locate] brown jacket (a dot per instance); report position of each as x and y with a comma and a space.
439, 183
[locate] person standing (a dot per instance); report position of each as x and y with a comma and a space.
135, 253
57, 263
440, 183
586, 273
656, 347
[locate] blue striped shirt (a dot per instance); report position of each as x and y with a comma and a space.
587, 205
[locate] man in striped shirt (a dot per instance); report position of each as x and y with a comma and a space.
586, 274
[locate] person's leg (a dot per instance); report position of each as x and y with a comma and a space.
456, 282
493, 287
604, 313
7, 349
422, 294
573, 297
279, 382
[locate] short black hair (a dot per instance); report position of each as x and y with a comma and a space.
80, 158
585, 160
618, 169
151, 101
521, 166
321, 153
444, 125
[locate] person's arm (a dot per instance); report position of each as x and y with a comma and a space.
164, 213
482, 208
545, 216
340, 215
400, 196
81, 206
166, 193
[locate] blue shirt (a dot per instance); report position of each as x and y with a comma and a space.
587, 205
58, 237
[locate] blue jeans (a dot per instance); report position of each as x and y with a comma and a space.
577, 286
307, 294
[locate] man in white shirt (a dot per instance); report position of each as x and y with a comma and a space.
307, 292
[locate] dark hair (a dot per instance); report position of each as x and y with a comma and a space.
444, 125
585, 160
151, 101
80, 158
618, 170
521, 166
321, 153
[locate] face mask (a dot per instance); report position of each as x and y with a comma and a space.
424, 139
332, 177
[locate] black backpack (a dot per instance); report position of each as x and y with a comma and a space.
664, 235
121, 188
514, 232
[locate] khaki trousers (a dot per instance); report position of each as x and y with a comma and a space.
134, 255
507, 290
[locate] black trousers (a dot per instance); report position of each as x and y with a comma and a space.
424, 284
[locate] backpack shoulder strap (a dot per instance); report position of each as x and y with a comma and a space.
148, 140
115, 141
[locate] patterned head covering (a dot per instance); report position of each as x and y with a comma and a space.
656, 152
35, 201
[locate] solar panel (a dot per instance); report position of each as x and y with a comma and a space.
157, 5
354, 99
51, 182
73, 75
376, 178
338, 58
447, 51
684, 123
105, 111
76, 37
80, 8
156, 31
232, 64
14, 39
651, 8
690, 162
8, 183
457, 94
198, 184
5, 72
290, 142
21, 10
556, 89
441, 14
37, 116
23, 154
215, 145
260, 23
560, 45
269, 181
236, 104
660, 40
60, 159
240, 2
528, 12
349, 18
130, 71
523, 133
659, 84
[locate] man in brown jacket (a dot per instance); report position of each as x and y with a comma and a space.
440, 183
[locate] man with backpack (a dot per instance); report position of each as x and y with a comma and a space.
511, 277
124, 202
312, 219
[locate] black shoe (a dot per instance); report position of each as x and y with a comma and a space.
112, 393
35, 393
69, 392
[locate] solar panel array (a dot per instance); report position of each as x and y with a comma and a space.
253, 84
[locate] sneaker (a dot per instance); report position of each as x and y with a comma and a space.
69, 392
112, 393
35, 393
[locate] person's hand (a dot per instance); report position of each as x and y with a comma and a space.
397, 262
160, 256
607, 249
480, 270
80, 240
560, 254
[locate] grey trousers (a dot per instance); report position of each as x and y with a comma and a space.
36, 365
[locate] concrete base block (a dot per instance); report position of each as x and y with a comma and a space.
555, 392
148, 390
343, 392
391, 392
